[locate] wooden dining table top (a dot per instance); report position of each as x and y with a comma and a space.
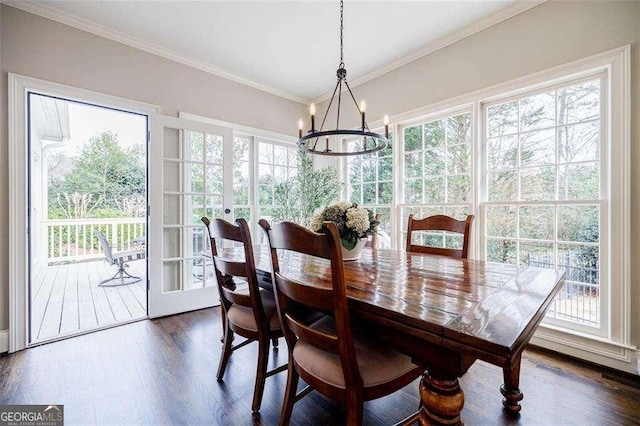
485, 309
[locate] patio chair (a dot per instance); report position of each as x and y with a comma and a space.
120, 259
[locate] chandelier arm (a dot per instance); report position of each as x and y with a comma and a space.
326, 113
329, 106
354, 101
339, 103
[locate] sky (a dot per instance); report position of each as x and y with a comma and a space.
87, 121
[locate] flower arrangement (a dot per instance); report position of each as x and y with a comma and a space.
353, 222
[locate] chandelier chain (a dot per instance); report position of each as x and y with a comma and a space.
341, 30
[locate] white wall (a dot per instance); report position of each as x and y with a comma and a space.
44, 49
551, 34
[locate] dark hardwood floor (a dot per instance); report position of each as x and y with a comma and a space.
163, 372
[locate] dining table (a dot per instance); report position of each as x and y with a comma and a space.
445, 313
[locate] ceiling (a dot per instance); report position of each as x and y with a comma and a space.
290, 48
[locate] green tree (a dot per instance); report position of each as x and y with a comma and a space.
299, 197
113, 176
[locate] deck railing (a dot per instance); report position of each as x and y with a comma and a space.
76, 239
579, 299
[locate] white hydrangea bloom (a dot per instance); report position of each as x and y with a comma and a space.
358, 219
344, 205
316, 222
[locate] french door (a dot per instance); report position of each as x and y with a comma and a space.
190, 176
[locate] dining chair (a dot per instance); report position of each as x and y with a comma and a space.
440, 223
373, 241
247, 311
341, 362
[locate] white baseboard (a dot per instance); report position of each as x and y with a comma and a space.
4, 341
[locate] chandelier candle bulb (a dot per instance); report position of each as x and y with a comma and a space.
326, 142
300, 127
312, 111
385, 120
363, 107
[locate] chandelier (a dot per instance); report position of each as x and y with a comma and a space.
316, 141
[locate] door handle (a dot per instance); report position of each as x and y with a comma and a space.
227, 211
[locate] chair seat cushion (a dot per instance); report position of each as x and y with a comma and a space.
242, 316
127, 256
378, 363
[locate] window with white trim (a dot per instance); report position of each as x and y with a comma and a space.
437, 170
242, 182
261, 167
277, 163
370, 184
549, 185
543, 168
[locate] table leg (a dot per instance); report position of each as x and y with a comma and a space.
441, 400
510, 391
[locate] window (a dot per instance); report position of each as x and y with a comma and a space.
543, 189
437, 166
276, 164
370, 184
543, 162
261, 168
242, 184
202, 165
200, 189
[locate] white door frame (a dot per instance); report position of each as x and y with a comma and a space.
19, 87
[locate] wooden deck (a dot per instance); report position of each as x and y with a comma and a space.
66, 299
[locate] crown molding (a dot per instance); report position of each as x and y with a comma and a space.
120, 37
109, 33
515, 9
